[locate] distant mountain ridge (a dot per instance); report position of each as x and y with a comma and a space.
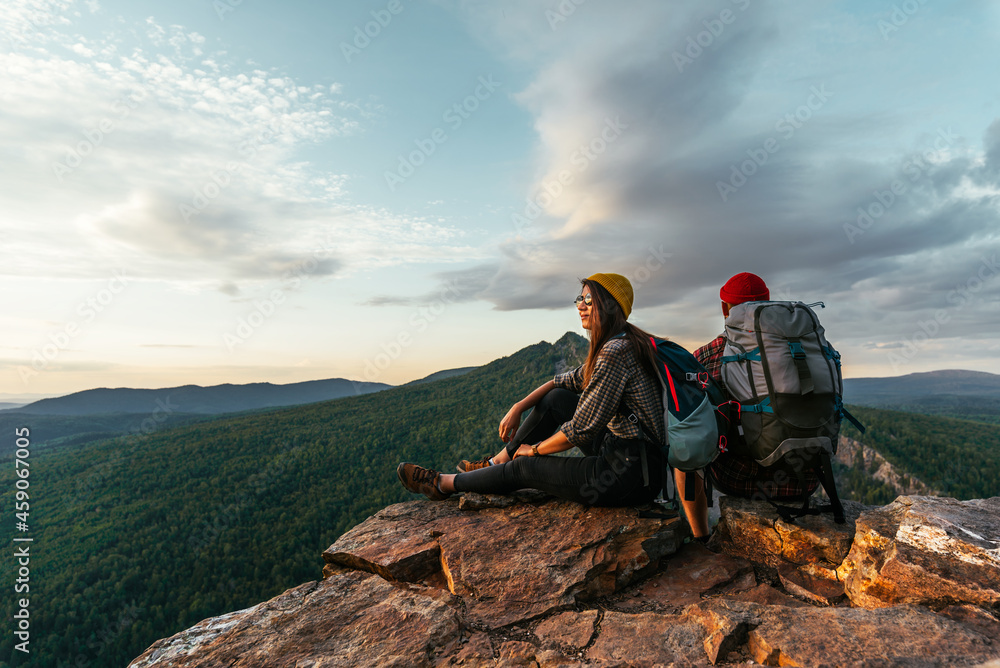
971, 395
226, 398
947, 381
211, 400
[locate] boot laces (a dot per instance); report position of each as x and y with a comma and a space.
422, 475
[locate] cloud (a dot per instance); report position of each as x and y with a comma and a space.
183, 165
748, 145
463, 285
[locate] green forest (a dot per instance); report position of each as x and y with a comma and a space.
139, 537
960, 458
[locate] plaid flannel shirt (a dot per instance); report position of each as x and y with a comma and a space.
618, 387
739, 475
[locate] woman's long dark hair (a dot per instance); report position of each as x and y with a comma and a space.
609, 322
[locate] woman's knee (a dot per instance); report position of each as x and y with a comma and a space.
559, 401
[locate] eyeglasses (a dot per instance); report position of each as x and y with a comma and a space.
586, 299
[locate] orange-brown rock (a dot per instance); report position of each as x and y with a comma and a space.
835, 637
684, 579
767, 595
648, 639
350, 618
817, 590
926, 550
572, 630
476, 651
530, 581
975, 618
753, 530
513, 562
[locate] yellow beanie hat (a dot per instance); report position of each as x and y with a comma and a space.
619, 287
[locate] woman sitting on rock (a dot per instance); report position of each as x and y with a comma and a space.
610, 407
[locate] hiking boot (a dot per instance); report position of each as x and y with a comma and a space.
419, 480
465, 465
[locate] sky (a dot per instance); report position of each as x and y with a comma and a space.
202, 192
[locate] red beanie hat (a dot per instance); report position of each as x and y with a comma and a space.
745, 287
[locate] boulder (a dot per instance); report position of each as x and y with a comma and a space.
753, 530
808, 588
349, 619
834, 637
514, 561
926, 550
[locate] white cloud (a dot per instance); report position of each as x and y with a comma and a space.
185, 166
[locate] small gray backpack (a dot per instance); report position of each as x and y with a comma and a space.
786, 376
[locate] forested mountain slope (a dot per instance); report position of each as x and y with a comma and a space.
136, 538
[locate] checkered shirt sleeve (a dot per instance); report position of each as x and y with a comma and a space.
618, 387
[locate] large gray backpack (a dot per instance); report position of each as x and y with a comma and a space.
786, 376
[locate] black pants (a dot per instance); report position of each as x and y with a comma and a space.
610, 473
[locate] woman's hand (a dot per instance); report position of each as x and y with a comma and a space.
523, 450
510, 422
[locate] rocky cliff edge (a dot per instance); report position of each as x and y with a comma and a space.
529, 580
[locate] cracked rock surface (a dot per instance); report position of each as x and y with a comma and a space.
528, 580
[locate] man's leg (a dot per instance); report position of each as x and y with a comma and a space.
696, 510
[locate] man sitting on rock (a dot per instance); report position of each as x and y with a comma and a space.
734, 472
